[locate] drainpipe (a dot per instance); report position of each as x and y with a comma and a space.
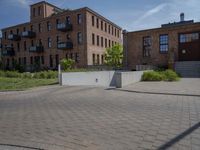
125, 48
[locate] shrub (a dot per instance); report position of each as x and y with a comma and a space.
152, 76
12, 74
167, 75
170, 75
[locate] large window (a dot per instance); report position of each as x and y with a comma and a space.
164, 43
80, 38
146, 46
79, 18
184, 38
49, 42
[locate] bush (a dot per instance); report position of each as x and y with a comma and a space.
167, 75
152, 76
170, 75
36, 75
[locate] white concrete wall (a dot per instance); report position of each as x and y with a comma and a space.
101, 78
126, 78
94, 78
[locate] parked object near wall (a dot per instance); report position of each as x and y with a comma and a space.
101, 78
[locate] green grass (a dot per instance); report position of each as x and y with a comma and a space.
7, 84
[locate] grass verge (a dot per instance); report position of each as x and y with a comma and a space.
9, 84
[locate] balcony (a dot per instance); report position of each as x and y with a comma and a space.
14, 37
28, 34
65, 45
64, 27
36, 49
8, 51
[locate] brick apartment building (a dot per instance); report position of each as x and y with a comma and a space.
179, 41
54, 33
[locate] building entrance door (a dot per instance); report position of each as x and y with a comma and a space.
189, 46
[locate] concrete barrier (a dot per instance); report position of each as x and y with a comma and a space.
101, 78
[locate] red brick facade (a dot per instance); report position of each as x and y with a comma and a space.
53, 34
136, 52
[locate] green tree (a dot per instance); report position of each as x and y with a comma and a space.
114, 56
67, 64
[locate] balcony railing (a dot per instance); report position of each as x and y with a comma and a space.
65, 45
8, 51
64, 27
36, 49
28, 34
14, 37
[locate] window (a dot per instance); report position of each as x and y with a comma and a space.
112, 30
93, 39
105, 27
76, 57
39, 27
31, 60
68, 37
115, 32
31, 27
24, 28
68, 20
97, 40
17, 31
106, 43
146, 46
109, 43
24, 60
71, 56
42, 60
18, 47
49, 42
57, 21
93, 59
57, 60
58, 40
80, 38
163, 43
92, 20
97, 23
102, 59
19, 60
48, 26
39, 11
50, 61
109, 29
97, 59
184, 38
32, 43
79, 18
118, 33
33, 12
25, 48
101, 25
101, 41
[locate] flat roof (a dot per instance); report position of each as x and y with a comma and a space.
166, 27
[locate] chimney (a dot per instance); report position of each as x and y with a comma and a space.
182, 17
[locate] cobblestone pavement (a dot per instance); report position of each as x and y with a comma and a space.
91, 118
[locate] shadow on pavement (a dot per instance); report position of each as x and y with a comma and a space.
179, 137
160, 93
20, 146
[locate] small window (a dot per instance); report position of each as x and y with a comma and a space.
18, 46
5, 35
102, 59
17, 31
24, 29
97, 40
49, 42
112, 30
118, 33
93, 39
164, 43
24, 60
31, 60
39, 28
106, 43
58, 39
105, 27
97, 23
50, 61
101, 25
68, 20
33, 12
109, 43
25, 48
42, 60
76, 57
31, 27
92, 20
79, 18
101, 41
48, 26
39, 11
80, 38
93, 59
115, 32
98, 60
57, 60
109, 29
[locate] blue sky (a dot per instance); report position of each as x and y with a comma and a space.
129, 14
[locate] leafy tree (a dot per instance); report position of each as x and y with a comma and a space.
67, 64
114, 56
